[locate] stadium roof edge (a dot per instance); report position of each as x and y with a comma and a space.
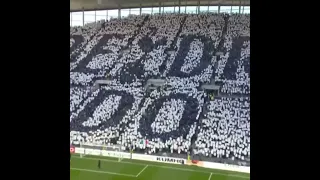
80, 5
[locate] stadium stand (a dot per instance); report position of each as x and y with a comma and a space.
179, 116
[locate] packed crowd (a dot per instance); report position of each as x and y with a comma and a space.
233, 69
104, 113
225, 130
79, 36
174, 118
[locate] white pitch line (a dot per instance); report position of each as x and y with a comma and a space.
210, 176
104, 172
142, 170
167, 167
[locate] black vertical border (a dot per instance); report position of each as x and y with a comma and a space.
35, 89
280, 75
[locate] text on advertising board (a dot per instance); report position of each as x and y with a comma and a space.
170, 160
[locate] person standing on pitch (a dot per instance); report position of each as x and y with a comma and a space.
99, 164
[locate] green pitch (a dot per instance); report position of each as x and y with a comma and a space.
86, 169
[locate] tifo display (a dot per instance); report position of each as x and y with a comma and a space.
153, 94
